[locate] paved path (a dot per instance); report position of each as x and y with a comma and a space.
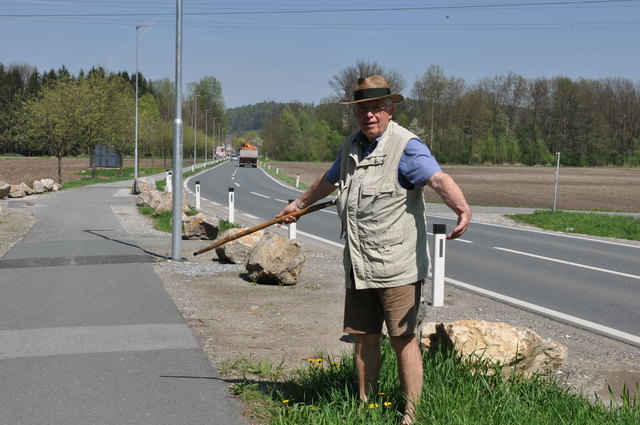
88, 334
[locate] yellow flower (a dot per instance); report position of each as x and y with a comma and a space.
381, 393
285, 401
373, 405
387, 404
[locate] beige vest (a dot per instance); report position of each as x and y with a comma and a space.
383, 223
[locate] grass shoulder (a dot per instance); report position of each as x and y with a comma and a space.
593, 224
456, 391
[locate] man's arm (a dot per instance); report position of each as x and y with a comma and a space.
319, 189
452, 196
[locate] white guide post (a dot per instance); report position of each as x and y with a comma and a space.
167, 182
292, 227
438, 261
231, 207
197, 195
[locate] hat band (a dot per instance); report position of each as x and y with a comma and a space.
370, 93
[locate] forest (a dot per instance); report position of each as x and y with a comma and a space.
505, 119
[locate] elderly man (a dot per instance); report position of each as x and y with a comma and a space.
380, 173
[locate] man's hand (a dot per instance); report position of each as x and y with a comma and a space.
288, 209
464, 217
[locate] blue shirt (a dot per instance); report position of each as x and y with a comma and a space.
417, 165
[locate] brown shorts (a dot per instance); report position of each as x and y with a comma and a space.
366, 309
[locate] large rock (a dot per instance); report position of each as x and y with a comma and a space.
150, 198
515, 347
143, 184
237, 251
275, 260
5, 189
166, 203
201, 226
17, 191
159, 201
49, 184
38, 187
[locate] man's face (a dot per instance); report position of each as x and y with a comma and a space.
373, 117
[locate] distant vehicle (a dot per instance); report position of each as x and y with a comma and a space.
248, 155
234, 157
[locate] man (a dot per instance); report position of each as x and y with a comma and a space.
380, 172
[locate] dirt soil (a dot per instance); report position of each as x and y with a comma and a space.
578, 188
19, 170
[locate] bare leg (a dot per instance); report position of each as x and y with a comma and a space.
368, 360
410, 372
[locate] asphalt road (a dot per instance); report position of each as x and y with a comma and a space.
590, 282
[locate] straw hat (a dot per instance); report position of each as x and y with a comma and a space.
372, 88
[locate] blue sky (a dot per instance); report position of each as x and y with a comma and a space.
288, 50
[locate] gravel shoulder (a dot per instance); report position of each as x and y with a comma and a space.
237, 319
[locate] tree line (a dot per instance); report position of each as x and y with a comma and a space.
506, 119
60, 114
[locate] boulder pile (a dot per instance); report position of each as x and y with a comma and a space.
21, 190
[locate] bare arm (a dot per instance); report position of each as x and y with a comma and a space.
452, 196
319, 189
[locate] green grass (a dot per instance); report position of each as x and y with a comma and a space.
162, 221
283, 177
107, 175
612, 226
454, 392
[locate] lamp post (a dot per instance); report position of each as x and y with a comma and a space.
213, 136
195, 126
135, 148
206, 135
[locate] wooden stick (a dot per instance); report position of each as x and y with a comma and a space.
261, 226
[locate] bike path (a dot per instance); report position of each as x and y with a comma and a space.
88, 334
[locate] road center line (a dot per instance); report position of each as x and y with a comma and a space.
555, 260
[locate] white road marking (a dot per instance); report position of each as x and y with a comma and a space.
282, 200
236, 184
251, 216
309, 235
555, 260
634, 339
261, 195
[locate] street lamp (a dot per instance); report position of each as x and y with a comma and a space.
195, 126
135, 148
213, 135
206, 136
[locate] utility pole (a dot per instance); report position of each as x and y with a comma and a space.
195, 126
135, 148
206, 136
176, 216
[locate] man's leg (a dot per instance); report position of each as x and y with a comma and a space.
368, 360
410, 371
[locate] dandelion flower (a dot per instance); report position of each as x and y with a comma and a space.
285, 401
373, 405
381, 393
387, 404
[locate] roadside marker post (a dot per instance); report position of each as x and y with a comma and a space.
231, 207
292, 227
439, 233
297, 180
197, 194
167, 182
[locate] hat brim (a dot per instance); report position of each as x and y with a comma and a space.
396, 98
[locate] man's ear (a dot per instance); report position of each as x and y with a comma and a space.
391, 110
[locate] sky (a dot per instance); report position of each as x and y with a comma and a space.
289, 50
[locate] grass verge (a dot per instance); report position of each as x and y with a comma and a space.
455, 392
273, 171
108, 175
611, 226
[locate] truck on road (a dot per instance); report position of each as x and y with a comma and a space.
248, 155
